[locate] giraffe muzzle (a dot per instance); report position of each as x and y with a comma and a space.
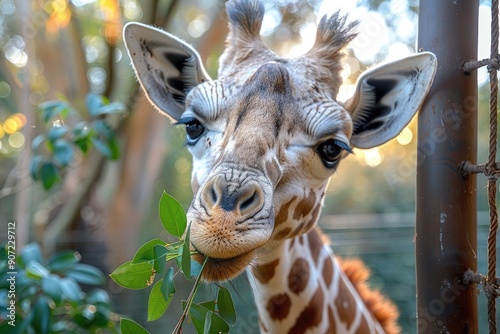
231, 216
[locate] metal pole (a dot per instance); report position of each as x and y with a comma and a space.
446, 227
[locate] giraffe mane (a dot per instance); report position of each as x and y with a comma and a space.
382, 308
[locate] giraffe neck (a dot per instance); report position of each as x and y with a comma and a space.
299, 287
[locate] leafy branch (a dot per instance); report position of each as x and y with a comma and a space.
56, 149
48, 295
149, 267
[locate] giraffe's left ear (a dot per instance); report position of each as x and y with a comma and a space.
387, 97
167, 67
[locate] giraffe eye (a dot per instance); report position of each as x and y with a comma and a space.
194, 129
330, 151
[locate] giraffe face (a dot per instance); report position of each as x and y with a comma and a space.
268, 133
256, 154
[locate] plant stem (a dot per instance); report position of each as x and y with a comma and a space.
177, 329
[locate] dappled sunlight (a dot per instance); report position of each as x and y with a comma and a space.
11, 137
111, 15
59, 15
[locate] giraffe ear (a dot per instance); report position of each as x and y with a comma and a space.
387, 97
167, 67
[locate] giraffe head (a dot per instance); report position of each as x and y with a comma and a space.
269, 132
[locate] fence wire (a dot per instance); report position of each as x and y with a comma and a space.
492, 173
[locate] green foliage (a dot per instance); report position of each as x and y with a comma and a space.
149, 266
172, 215
57, 148
47, 294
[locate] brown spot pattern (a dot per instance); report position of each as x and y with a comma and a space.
331, 322
298, 276
345, 303
265, 272
278, 306
311, 315
328, 271
305, 206
282, 234
363, 327
315, 244
297, 230
314, 217
283, 213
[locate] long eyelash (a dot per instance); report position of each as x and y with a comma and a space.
185, 120
343, 145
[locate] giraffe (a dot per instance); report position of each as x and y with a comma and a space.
265, 137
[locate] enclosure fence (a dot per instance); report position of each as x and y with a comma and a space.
491, 169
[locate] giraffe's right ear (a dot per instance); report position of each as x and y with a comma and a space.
167, 67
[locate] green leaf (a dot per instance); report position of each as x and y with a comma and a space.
168, 287
208, 322
226, 306
86, 274
114, 147
51, 286
172, 215
57, 132
115, 108
81, 130
101, 146
81, 136
157, 304
130, 327
35, 270
104, 129
210, 305
160, 258
49, 174
133, 275
53, 108
83, 144
29, 253
41, 318
146, 252
64, 260
63, 152
98, 296
195, 268
198, 315
71, 290
35, 166
93, 103
35, 144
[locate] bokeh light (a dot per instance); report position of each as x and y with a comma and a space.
198, 26
373, 157
16, 140
132, 10
59, 15
405, 137
4, 89
10, 126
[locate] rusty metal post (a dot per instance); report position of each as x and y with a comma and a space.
446, 227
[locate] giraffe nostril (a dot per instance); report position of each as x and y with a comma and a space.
248, 202
213, 195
